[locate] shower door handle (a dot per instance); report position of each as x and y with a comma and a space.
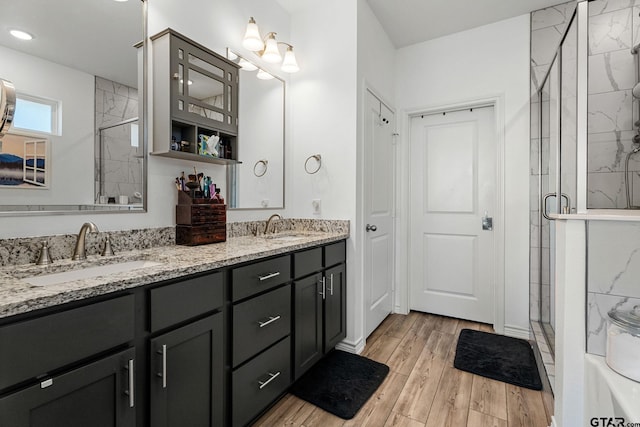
544, 204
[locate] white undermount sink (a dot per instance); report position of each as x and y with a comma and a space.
88, 272
285, 236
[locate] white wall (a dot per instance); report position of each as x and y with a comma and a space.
485, 62
324, 104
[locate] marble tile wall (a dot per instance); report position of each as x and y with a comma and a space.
121, 163
614, 28
613, 275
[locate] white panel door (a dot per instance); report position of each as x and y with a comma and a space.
379, 173
453, 183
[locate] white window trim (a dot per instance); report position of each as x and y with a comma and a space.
56, 116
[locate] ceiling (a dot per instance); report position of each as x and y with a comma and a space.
412, 21
96, 37
407, 22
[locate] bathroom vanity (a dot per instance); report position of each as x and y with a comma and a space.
183, 342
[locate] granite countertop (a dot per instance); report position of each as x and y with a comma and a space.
17, 296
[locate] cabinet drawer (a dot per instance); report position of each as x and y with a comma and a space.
260, 276
307, 262
259, 322
260, 382
184, 300
35, 347
335, 254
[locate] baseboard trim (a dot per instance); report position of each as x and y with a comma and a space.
351, 347
516, 332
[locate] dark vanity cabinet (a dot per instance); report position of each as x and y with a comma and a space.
320, 303
74, 367
261, 336
213, 349
187, 358
195, 98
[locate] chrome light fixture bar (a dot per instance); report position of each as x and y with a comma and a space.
267, 48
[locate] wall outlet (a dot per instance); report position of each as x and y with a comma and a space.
265, 203
317, 206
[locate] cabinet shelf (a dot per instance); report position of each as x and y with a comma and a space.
194, 157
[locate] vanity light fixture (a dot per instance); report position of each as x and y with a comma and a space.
267, 48
22, 35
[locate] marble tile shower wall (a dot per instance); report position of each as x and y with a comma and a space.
613, 278
547, 27
614, 28
121, 161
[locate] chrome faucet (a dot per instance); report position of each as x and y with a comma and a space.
80, 253
271, 218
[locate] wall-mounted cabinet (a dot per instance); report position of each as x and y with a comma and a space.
195, 101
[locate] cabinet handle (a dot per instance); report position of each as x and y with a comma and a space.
130, 392
331, 284
271, 320
324, 288
163, 374
269, 276
272, 377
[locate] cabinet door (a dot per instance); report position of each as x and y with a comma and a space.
308, 323
334, 306
96, 395
186, 375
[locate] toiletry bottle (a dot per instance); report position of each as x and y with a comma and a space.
219, 197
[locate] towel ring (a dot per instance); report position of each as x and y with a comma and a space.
318, 159
265, 162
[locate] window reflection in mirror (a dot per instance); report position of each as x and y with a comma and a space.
258, 182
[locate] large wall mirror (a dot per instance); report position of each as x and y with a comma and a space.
76, 142
258, 182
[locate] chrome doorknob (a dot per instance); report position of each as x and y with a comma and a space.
371, 228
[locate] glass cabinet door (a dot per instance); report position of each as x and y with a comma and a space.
203, 87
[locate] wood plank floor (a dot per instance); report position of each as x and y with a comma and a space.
423, 388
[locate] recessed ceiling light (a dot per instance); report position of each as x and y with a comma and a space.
22, 35
121, 1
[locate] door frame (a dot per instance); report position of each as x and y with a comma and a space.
403, 219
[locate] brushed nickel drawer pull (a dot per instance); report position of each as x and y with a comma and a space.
272, 377
163, 374
331, 282
324, 288
269, 276
271, 320
130, 392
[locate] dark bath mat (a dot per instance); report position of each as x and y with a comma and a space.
341, 383
498, 357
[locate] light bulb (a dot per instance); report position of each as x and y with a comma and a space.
289, 64
271, 52
252, 39
22, 35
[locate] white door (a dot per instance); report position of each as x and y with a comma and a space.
379, 194
453, 184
